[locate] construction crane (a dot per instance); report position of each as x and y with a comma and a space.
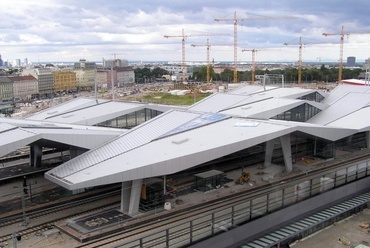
254, 51
235, 21
208, 62
300, 44
342, 34
183, 37
253, 61
208, 66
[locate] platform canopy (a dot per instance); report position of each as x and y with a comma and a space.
18, 133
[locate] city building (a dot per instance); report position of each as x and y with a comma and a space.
116, 62
44, 78
351, 61
6, 89
64, 81
1, 62
125, 75
17, 63
85, 74
102, 78
25, 87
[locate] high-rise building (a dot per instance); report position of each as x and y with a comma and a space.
17, 63
1, 61
351, 61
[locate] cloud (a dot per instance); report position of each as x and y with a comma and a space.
94, 29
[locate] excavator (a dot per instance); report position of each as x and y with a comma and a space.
244, 178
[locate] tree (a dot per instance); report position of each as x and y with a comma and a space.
159, 72
227, 75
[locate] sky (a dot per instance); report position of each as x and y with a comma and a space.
69, 30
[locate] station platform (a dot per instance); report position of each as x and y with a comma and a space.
98, 224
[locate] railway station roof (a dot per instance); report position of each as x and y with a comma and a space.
18, 133
180, 139
91, 111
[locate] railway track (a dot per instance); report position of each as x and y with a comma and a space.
47, 216
142, 228
139, 228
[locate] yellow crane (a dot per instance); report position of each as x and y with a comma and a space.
253, 61
342, 34
235, 20
208, 62
254, 51
300, 45
208, 66
183, 37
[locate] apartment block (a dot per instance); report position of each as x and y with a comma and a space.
6, 89
44, 78
25, 87
85, 74
64, 81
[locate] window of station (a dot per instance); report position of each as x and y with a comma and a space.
131, 120
301, 113
352, 143
312, 97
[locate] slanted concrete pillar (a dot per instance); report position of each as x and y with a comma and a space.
35, 156
125, 196
135, 196
269, 151
368, 139
287, 152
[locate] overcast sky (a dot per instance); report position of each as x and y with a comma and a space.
67, 30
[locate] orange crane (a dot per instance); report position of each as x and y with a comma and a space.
300, 44
235, 21
208, 63
342, 34
183, 37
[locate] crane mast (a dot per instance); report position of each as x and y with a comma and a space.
235, 49
208, 61
342, 34
299, 58
235, 22
183, 37
340, 69
300, 45
253, 61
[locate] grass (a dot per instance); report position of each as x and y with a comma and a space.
168, 99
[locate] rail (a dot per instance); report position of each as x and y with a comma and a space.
215, 217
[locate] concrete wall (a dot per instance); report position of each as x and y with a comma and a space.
272, 221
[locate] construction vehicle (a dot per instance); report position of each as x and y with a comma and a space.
244, 178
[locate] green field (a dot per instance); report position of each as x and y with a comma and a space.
168, 99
